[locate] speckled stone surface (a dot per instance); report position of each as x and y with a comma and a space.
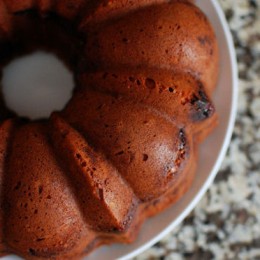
226, 223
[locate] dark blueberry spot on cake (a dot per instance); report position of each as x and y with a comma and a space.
32, 252
49, 197
36, 211
203, 40
183, 139
202, 107
182, 152
150, 83
171, 90
145, 157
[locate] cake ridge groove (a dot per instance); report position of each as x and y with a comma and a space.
84, 159
141, 93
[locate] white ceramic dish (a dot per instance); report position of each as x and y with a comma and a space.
212, 151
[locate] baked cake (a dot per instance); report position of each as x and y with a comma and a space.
125, 146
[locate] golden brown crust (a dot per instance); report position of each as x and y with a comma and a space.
37, 190
106, 201
162, 37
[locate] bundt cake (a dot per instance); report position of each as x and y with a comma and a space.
125, 146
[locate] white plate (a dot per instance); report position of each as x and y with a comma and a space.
211, 154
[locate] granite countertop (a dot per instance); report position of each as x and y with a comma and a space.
226, 222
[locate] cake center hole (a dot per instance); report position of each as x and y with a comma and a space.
35, 85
